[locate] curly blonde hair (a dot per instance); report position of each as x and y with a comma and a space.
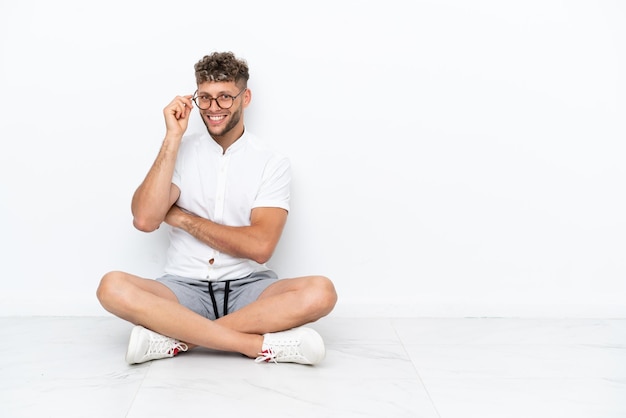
222, 66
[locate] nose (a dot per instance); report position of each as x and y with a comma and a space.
214, 103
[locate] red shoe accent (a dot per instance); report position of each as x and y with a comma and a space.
269, 355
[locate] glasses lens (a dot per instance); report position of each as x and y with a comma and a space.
224, 101
203, 102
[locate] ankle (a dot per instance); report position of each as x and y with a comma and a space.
254, 346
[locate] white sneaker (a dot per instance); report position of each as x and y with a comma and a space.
297, 345
146, 345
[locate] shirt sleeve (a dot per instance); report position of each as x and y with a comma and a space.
276, 184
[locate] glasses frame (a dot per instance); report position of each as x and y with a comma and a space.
210, 99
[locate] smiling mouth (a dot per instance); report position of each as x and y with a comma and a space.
216, 118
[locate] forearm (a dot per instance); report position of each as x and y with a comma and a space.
255, 242
153, 199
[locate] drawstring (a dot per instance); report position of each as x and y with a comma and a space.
226, 292
217, 315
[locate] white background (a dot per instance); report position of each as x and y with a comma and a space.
450, 158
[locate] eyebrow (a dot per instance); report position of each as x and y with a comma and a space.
204, 93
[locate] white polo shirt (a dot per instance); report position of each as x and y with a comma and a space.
223, 187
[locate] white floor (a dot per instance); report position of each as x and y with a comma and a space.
405, 367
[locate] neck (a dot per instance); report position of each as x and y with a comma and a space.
228, 139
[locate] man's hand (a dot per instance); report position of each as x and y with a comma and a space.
177, 115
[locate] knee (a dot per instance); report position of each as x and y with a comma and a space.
110, 289
322, 295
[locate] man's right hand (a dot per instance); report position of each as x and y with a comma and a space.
177, 115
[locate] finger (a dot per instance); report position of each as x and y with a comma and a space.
180, 107
177, 107
186, 104
185, 111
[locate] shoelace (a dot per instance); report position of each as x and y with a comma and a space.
165, 345
268, 355
287, 351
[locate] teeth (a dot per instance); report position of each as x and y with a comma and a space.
217, 117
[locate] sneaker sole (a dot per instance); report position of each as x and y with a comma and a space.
131, 352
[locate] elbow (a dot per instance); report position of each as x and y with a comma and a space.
264, 253
262, 259
145, 225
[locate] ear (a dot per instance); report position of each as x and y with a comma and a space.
247, 97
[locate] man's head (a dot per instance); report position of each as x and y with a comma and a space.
222, 95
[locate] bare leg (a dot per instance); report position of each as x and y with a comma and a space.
283, 305
152, 305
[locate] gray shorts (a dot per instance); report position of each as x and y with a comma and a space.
208, 298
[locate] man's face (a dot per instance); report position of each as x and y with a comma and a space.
221, 105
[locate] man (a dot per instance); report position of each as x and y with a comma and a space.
225, 195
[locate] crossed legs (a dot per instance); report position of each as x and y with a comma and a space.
285, 304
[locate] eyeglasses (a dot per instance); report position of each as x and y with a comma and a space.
224, 101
